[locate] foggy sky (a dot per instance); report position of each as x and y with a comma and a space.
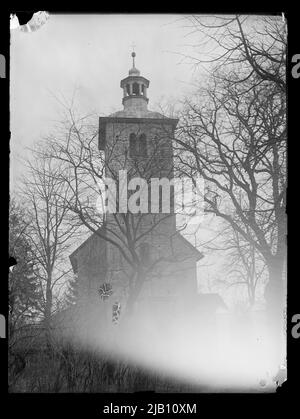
92, 54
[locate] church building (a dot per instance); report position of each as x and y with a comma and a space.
137, 260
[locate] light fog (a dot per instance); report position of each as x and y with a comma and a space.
217, 352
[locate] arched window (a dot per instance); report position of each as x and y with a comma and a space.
143, 145
135, 89
128, 89
132, 145
143, 89
137, 147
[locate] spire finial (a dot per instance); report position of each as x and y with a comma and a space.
133, 55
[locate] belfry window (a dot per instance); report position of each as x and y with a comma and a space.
137, 146
143, 145
143, 89
132, 145
135, 89
128, 89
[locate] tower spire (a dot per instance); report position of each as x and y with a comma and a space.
133, 57
134, 87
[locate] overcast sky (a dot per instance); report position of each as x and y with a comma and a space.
91, 53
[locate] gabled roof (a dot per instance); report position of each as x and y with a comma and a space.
198, 255
73, 255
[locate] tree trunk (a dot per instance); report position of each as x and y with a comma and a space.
274, 290
134, 292
275, 305
47, 314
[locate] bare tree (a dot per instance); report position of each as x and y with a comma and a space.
82, 169
245, 264
49, 232
242, 267
257, 45
24, 287
237, 146
234, 136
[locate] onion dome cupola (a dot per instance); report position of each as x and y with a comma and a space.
134, 88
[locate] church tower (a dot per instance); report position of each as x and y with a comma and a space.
137, 143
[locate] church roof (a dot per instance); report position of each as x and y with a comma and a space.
198, 255
73, 255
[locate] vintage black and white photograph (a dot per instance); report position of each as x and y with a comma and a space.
147, 209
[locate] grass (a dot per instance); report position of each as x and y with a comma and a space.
70, 370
